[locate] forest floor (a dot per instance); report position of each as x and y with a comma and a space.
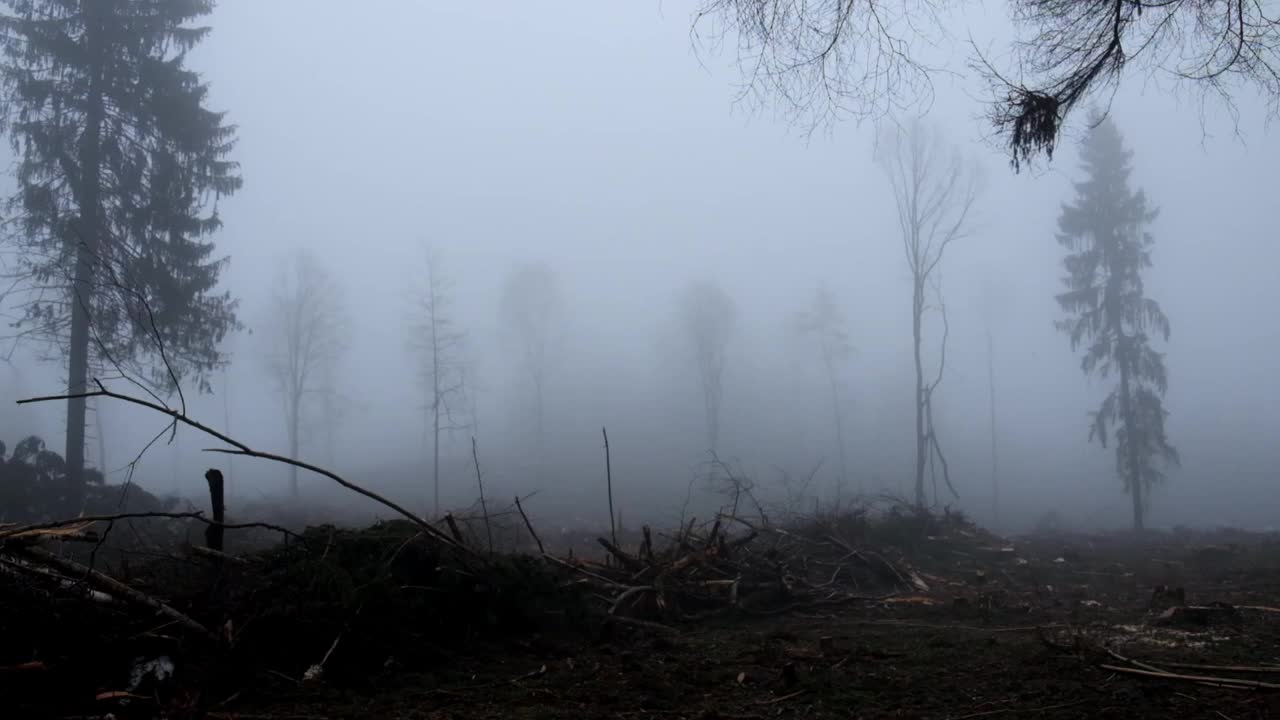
922, 617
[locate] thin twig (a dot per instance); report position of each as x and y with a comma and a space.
608, 474
1001, 711
783, 698
197, 516
488, 529
529, 525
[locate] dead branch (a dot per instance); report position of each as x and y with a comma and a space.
608, 475
628, 562
529, 525
239, 448
453, 528
1231, 683
488, 529
117, 588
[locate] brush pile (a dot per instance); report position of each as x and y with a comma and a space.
758, 568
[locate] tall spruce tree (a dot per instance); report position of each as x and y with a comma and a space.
119, 167
1108, 248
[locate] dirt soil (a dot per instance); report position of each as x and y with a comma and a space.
1051, 626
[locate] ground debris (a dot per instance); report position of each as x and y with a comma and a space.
735, 617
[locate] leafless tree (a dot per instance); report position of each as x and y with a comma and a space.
707, 319
532, 314
825, 322
438, 344
306, 331
934, 193
829, 59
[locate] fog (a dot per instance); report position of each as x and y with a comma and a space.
597, 139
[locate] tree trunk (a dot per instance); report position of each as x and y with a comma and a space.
86, 247
435, 457
1135, 475
435, 400
713, 423
995, 465
226, 424
539, 418
294, 418
838, 416
921, 439
100, 430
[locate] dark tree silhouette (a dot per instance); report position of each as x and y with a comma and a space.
306, 330
824, 60
824, 322
1108, 312
119, 165
707, 318
532, 314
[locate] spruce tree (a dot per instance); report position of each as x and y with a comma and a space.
119, 167
1108, 312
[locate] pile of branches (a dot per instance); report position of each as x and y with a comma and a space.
731, 563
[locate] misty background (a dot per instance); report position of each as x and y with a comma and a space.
599, 140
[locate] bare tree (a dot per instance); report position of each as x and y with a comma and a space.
934, 193
707, 319
438, 343
532, 314
824, 60
306, 331
825, 322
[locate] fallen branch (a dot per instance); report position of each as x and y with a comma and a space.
627, 594
782, 698
1232, 683
1225, 668
115, 587
1016, 708
217, 555
628, 562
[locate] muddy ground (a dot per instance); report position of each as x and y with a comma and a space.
1175, 625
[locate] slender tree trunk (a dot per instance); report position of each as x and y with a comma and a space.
538, 411
1135, 475
102, 440
226, 424
995, 464
837, 411
435, 458
294, 420
713, 425
435, 402
921, 440
86, 246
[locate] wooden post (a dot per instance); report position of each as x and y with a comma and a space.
213, 533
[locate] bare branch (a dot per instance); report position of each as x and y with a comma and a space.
239, 448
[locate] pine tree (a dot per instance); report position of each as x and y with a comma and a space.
119, 167
1108, 248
